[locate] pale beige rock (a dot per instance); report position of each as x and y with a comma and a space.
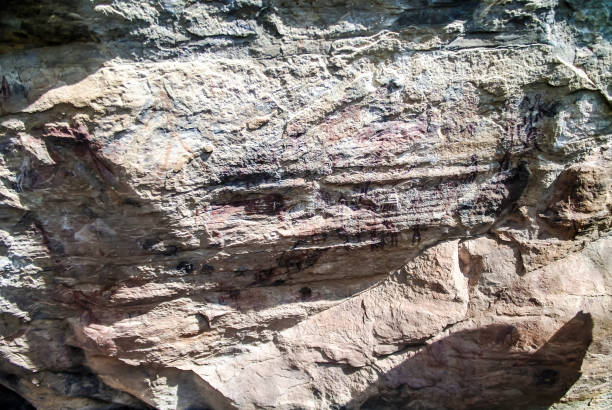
315, 205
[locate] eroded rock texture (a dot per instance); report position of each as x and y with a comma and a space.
322, 204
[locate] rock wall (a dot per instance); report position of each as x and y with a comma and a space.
309, 204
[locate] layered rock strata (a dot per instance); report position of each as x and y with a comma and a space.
269, 204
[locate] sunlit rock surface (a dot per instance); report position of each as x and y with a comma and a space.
268, 204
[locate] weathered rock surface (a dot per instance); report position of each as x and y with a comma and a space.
305, 204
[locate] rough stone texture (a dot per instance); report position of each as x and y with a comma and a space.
323, 204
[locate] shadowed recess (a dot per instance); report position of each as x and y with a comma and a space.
11, 400
483, 369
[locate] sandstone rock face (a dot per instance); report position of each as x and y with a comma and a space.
323, 204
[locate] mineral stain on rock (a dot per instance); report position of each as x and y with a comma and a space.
5, 89
305, 204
